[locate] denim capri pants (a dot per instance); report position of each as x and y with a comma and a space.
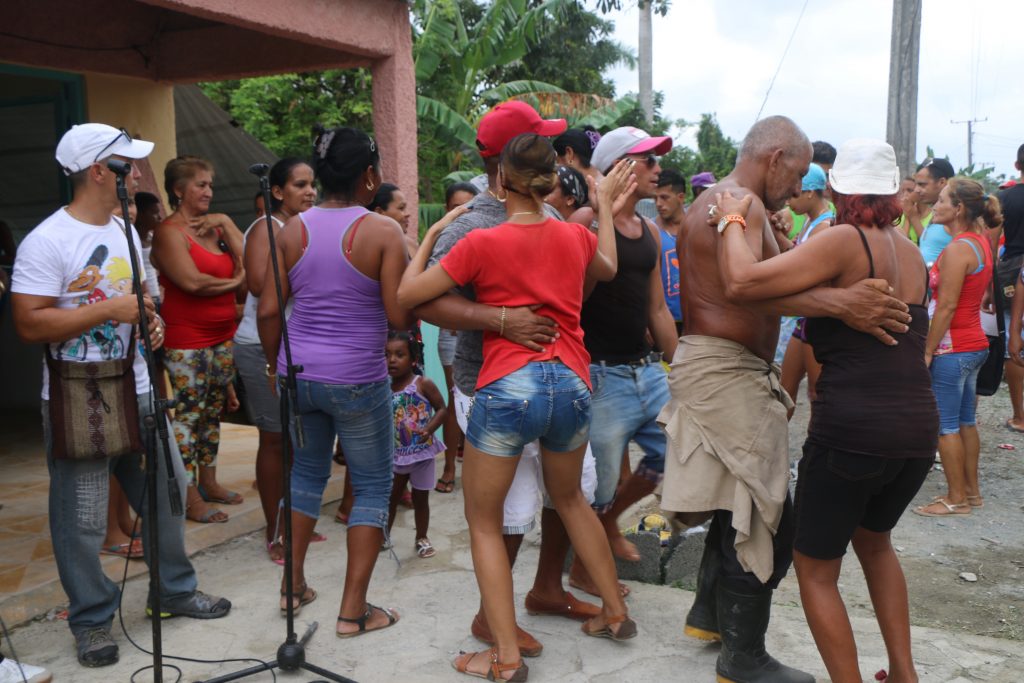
360, 416
954, 376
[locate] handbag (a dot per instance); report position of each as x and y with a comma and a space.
990, 376
1006, 274
94, 411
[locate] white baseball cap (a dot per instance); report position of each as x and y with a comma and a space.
87, 143
865, 166
626, 140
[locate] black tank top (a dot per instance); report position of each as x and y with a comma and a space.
614, 318
873, 399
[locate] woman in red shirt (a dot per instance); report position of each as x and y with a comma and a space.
199, 259
524, 395
957, 346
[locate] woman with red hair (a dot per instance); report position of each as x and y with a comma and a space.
874, 423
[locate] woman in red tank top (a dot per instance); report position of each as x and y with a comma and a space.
199, 258
957, 346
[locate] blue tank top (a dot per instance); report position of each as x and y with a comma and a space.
670, 274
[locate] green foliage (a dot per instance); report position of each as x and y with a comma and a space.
281, 111
658, 6
576, 59
716, 152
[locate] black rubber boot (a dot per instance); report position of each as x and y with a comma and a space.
743, 620
702, 619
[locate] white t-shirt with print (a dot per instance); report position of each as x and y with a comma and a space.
80, 264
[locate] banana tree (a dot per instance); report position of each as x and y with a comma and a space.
466, 52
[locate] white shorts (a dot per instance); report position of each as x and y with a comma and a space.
523, 501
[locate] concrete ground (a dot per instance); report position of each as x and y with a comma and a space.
437, 599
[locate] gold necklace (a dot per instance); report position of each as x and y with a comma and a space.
524, 213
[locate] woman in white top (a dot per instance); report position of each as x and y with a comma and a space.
292, 190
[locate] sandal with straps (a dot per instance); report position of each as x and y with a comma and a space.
626, 631
947, 510
305, 595
496, 670
361, 621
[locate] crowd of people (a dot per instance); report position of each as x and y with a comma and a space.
569, 326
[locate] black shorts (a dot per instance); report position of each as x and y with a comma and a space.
838, 491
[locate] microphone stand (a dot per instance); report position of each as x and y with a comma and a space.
291, 654
155, 426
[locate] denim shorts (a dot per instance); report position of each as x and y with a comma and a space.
954, 376
262, 404
539, 401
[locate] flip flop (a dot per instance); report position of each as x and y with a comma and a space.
207, 517
233, 499
361, 621
626, 631
976, 501
1009, 425
317, 537
341, 517
445, 485
131, 550
958, 510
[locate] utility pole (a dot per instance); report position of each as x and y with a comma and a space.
904, 55
646, 61
970, 136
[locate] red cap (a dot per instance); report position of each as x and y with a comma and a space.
508, 120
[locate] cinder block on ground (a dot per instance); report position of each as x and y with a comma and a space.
648, 568
682, 559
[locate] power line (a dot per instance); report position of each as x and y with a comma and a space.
779, 67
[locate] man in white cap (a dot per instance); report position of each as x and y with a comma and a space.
629, 384
727, 420
63, 297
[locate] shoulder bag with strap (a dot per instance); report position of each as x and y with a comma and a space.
94, 411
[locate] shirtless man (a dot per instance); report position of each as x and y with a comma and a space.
728, 442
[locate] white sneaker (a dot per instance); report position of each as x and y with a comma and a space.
13, 672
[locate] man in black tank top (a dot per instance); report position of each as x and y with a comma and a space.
629, 389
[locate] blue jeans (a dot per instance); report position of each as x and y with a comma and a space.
360, 416
954, 376
625, 407
539, 401
79, 491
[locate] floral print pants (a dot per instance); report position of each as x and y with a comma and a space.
199, 380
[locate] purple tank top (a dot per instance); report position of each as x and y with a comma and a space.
337, 327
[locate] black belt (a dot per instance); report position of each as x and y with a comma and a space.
639, 363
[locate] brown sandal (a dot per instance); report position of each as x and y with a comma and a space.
626, 631
497, 669
305, 595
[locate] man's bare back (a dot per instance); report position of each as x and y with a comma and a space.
706, 310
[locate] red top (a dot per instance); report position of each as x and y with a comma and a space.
198, 322
965, 331
514, 264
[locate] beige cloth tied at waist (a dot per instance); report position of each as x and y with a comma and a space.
728, 442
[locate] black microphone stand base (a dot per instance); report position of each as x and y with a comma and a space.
291, 656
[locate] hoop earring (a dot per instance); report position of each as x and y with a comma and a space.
369, 186
502, 199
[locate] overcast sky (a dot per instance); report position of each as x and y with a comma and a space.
719, 56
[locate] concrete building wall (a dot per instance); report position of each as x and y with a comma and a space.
145, 109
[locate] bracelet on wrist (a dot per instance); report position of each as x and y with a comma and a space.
501, 328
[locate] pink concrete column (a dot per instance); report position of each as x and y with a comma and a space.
394, 113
